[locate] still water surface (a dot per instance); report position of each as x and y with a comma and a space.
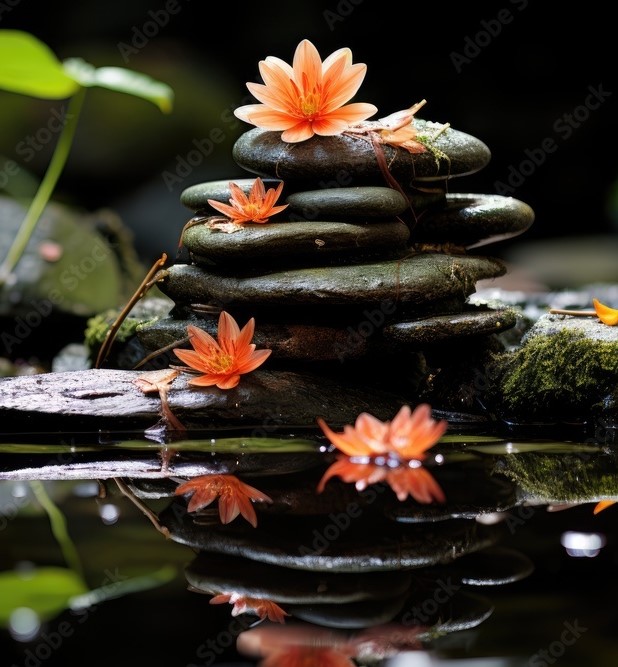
514, 569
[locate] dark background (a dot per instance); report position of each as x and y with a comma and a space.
509, 88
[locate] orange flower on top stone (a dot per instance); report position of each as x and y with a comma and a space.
222, 362
392, 451
258, 207
309, 97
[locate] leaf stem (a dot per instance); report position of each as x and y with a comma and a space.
46, 188
58, 526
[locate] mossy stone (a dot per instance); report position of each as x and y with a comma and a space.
565, 366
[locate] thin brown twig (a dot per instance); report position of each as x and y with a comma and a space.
150, 279
579, 313
161, 350
142, 507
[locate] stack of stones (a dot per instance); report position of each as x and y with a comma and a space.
356, 278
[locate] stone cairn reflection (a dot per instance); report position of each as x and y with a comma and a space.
362, 281
356, 279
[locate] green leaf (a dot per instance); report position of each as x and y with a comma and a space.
45, 590
121, 80
29, 67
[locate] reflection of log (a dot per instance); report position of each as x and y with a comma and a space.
264, 401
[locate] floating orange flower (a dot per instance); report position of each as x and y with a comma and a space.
234, 496
259, 206
390, 451
308, 97
222, 362
265, 609
606, 314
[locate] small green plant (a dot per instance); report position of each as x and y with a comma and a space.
29, 67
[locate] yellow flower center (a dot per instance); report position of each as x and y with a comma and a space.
220, 363
310, 105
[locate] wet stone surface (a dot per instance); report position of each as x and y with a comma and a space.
349, 161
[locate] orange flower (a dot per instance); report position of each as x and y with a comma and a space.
308, 97
257, 207
390, 452
234, 496
259, 606
606, 314
225, 361
407, 436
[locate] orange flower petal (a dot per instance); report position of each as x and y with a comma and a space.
223, 362
307, 98
603, 504
234, 496
606, 314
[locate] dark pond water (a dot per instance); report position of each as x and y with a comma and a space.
513, 569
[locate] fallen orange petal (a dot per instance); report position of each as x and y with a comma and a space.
603, 504
606, 314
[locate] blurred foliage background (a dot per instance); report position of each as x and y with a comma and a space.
508, 72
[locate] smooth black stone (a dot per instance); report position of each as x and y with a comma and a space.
288, 341
417, 280
351, 615
493, 566
342, 203
343, 161
440, 328
473, 220
300, 543
470, 489
196, 197
277, 244
215, 573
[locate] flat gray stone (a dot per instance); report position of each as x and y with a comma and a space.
284, 243
440, 328
344, 161
473, 220
196, 197
420, 279
107, 399
342, 203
